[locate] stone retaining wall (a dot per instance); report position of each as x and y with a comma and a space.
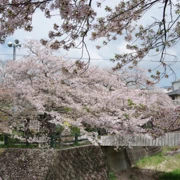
83, 163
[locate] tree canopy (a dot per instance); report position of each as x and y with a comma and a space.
80, 19
69, 93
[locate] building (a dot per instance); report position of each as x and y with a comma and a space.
175, 93
166, 89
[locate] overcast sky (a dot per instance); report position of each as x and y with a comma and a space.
98, 57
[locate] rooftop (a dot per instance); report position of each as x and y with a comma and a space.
176, 92
178, 80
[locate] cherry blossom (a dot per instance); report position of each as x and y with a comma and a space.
67, 92
80, 21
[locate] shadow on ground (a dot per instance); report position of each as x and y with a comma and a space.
146, 174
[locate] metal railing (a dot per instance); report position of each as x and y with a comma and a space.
55, 141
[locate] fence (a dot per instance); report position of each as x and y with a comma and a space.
169, 139
66, 140
60, 140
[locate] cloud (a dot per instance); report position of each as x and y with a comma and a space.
99, 57
122, 48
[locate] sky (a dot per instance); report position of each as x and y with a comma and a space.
98, 57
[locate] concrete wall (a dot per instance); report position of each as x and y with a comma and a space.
116, 159
83, 163
124, 158
177, 98
136, 153
176, 85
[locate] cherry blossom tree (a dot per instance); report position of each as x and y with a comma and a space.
81, 20
136, 78
43, 84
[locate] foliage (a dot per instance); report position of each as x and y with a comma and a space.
17, 133
111, 176
11, 137
123, 18
173, 175
1, 137
50, 91
13, 140
74, 130
59, 129
11, 145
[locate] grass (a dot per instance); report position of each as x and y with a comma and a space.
160, 162
151, 161
169, 165
111, 176
173, 175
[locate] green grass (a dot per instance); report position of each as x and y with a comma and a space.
160, 162
169, 165
111, 176
173, 175
151, 161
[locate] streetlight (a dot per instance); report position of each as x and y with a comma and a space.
15, 44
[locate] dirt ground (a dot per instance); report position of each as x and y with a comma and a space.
138, 174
